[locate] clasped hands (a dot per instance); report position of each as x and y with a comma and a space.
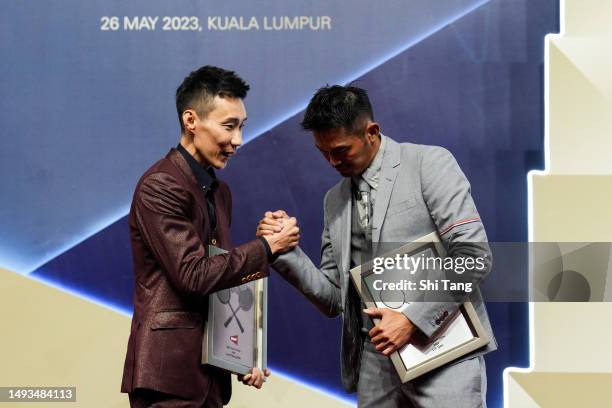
394, 329
279, 230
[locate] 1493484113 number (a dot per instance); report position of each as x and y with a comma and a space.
37, 394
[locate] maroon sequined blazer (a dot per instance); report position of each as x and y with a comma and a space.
170, 231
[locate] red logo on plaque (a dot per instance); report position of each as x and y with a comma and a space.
234, 339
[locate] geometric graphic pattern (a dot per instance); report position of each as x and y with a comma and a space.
570, 358
71, 342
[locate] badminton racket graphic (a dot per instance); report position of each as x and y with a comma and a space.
224, 297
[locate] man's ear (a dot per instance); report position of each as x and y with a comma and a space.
189, 118
372, 131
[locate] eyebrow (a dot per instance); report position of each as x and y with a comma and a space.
337, 148
234, 121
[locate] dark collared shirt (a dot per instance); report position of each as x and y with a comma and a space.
208, 181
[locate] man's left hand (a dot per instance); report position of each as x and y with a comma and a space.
392, 332
255, 378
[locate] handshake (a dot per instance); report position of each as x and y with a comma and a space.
279, 230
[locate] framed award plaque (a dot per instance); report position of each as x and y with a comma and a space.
461, 334
235, 332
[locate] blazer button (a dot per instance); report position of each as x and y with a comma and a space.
438, 322
445, 313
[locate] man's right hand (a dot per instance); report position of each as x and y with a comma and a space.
271, 222
284, 234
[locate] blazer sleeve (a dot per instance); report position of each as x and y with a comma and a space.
446, 192
162, 207
321, 286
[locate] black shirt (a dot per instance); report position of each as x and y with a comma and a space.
208, 181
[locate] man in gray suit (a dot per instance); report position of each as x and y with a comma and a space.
390, 192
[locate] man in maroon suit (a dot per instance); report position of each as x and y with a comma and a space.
178, 209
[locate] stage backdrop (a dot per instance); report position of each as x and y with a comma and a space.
88, 106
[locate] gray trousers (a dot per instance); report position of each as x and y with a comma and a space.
460, 385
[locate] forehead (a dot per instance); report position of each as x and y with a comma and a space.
226, 108
332, 138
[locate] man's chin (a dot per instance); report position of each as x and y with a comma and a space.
221, 162
345, 172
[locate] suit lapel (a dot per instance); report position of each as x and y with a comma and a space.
388, 174
340, 224
340, 209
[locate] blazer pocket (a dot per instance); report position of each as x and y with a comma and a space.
402, 206
176, 320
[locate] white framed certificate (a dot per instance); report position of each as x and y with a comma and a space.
236, 329
460, 334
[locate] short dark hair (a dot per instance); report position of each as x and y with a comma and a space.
335, 107
199, 88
